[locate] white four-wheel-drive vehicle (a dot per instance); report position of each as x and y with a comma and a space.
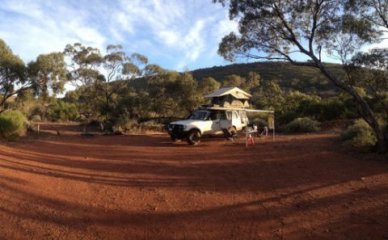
208, 121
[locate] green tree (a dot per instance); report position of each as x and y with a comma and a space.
133, 105
252, 81
373, 11
13, 75
119, 70
233, 81
369, 70
84, 63
269, 95
173, 94
286, 29
187, 93
208, 85
48, 72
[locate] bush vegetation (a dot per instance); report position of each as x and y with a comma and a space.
132, 126
13, 124
152, 126
125, 125
62, 111
359, 134
302, 125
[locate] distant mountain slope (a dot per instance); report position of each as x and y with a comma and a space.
288, 76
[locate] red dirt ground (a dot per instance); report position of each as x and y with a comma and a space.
145, 187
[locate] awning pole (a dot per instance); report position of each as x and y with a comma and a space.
246, 136
273, 130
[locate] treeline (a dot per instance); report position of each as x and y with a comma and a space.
108, 90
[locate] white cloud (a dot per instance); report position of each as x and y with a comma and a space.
224, 27
32, 10
169, 37
170, 24
125, 22
37, 28
174, 33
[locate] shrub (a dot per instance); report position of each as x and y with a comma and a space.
360, 134
37, 110
125, 125
36, 118
152, 126
62, 111
302, 125
13, 124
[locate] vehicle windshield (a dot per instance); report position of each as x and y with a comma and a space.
199, 115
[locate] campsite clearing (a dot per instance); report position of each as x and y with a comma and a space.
145, 187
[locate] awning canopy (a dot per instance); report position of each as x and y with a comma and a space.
241, 109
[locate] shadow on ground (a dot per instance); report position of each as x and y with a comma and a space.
145, 187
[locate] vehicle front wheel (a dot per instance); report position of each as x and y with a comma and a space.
194, 137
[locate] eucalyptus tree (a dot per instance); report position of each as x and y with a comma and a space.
48, 76
208, 85
286, 30
84, 64
173, 94
233, 81
252, 81
373, 11
84, 72
120, 69
48, 73
369, 70
13, 75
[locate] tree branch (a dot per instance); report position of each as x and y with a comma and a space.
289, 29
314, 26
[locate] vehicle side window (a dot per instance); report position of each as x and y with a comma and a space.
199, 115
206, 116
214, 115
223, 115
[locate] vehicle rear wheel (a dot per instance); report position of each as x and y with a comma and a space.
194, 137
233, 132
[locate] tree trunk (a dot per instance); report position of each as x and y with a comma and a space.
368, 115
366, 112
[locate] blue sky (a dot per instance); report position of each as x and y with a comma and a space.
176, 34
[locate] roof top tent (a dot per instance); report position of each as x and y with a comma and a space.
230, 97
234, 98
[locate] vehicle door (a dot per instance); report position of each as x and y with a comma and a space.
207, 123
226, 120
215, 117
201, 119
